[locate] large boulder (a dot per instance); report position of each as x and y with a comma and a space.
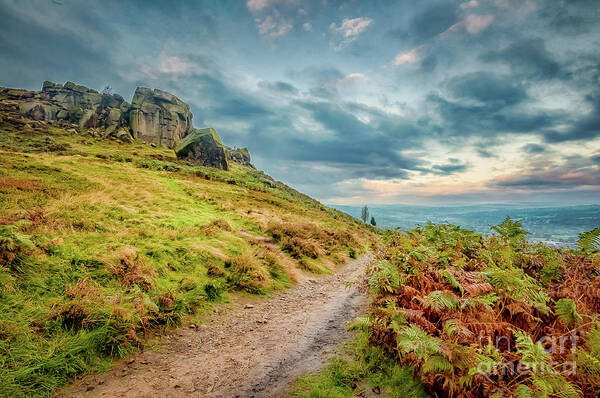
204, 148
159, 117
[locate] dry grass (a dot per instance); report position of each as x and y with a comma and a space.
298, 247
215, 226
21, 184
131, 269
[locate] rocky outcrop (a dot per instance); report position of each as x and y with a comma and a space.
86, 107
159, 117
239, 155
154, 116
204, 148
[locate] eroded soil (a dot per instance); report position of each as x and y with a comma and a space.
256, 348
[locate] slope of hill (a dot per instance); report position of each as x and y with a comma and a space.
103, 242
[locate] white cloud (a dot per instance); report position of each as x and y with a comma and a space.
307, 26
164, 66
472, 23
349, 30
352, 27
408, 57
349, 80
268, 16
257, 5
273, 25
469, 4
477, 23
174, 65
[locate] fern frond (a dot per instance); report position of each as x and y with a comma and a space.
532, 354
438, 364
593, 341
360, 323
566, 310
589, 242
523, 391
439, 301
589, 364
554, 385
414, 339
385, 278
487, 300
511, 231
451, 280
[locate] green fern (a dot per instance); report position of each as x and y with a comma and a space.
566, 310
414, 339
589, 363
385, 278
523, 391
360, 323
516, 284
439, 301
488, 300
532, 354
593, 341
451, 327
451, 280
589, 242
554, 385
438, 364
511, 231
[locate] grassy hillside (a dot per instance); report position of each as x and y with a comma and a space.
102, 243
476, 316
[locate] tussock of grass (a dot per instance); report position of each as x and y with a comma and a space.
104, 243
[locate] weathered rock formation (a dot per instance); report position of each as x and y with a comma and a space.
239, 155
154, 116
203, 147
159, 117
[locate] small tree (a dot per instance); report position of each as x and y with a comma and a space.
373, 222
365, 214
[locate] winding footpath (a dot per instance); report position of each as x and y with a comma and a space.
256, 349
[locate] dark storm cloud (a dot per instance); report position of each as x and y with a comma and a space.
586, 127
487, 120
493, 91
527, 58
373, 148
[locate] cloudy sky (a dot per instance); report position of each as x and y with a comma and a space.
352, 102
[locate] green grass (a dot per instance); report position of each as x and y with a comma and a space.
359, 367
122, 248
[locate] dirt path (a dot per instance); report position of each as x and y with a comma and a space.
256, 349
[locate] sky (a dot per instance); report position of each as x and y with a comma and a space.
352, 102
